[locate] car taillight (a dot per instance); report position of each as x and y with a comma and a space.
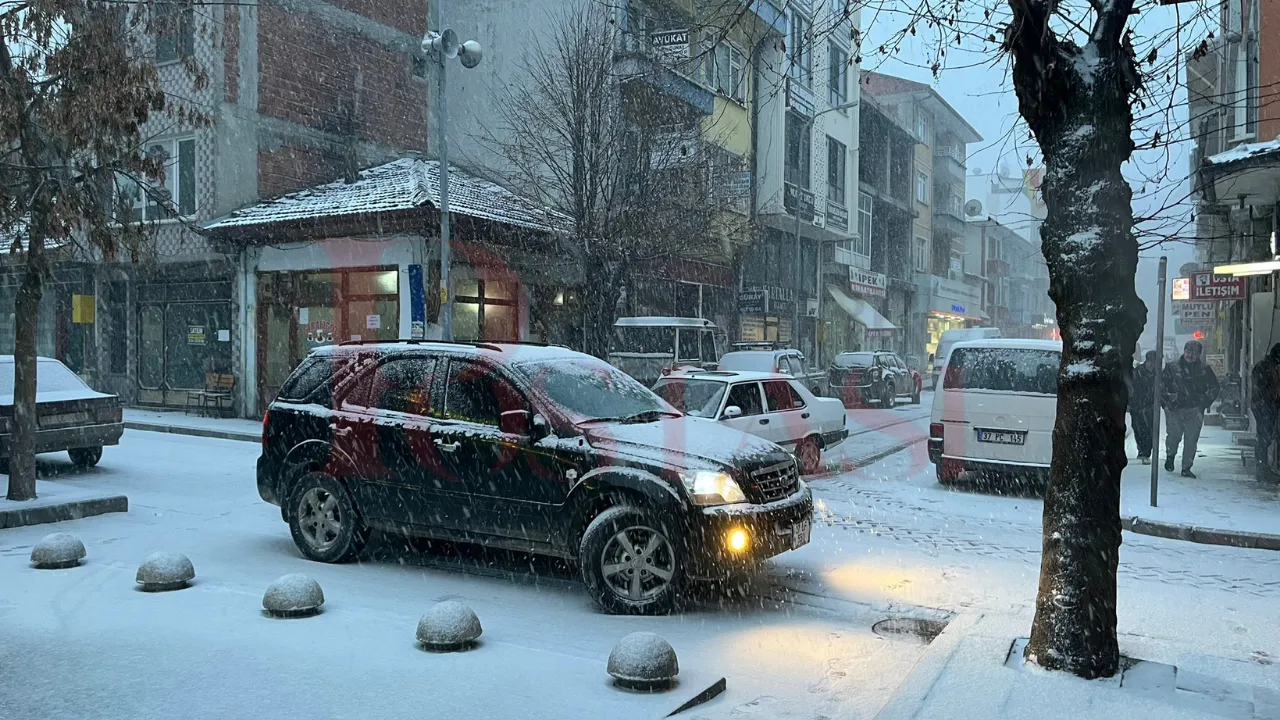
935, 431
266, 417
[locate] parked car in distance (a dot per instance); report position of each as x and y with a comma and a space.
993, 415
70, 415
526, 448
645, 347
773, 406
948, 340
767, 358
860, 378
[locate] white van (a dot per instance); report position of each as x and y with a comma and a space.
948, 340
994, 410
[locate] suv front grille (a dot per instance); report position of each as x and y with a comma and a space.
774, 482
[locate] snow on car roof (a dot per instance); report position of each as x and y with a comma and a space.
515, 352
1010, 343
658, 321
726, 375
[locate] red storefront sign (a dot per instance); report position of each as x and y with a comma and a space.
1208, 286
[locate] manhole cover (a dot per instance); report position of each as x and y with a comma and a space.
921, 628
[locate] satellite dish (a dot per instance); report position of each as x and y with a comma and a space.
973, 208
469, 54
445, 43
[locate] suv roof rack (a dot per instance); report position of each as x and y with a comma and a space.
423, 341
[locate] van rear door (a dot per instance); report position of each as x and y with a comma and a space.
999, 405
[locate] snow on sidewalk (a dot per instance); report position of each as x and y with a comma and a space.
176, 421
1224, 495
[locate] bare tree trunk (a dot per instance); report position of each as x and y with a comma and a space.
1077, 103
601, 289
22, 460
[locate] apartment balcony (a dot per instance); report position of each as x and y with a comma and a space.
663, 61
950, 163
948, 217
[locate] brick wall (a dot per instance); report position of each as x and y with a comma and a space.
231, 52
1269, 71
336, 80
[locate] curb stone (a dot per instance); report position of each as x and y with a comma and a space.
193, 431
909, 698
1202, 535
68, 510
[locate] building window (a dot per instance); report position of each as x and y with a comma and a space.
920, 254
837, 75
836, 158
862, 245
179, 157
485, 310
922, 187
174, 29
922, 127
796, 170
725, 71
799, 51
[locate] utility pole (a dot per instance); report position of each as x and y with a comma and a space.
443, 45
1155, 406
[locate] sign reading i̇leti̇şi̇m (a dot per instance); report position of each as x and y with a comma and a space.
1208, 286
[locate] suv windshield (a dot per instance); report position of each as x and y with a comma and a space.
695, 397
858, 359
1004, 370
593, 390
755, 361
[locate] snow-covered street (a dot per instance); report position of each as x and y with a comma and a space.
83, 642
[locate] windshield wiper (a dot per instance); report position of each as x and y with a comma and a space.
640, 417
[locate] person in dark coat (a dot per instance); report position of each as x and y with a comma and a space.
1142, 398
1264, 400
1188, 387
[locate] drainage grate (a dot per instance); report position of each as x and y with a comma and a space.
922, 628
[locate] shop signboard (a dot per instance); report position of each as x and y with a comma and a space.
195, 335
793, 195
1216, 288
1181, 288
865, 282
1217, 362
671, 45
753, 302
1194, 313
837, 216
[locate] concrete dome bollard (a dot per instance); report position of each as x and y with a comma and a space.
56, 551
643, 661
293, 596
448, 626
163, 571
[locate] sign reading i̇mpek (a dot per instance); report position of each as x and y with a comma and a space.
1208, 286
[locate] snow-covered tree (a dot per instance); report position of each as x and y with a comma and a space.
77, 85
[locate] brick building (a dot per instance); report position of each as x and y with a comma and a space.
298, 92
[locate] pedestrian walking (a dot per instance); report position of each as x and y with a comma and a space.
1188, 388
1142, 398
1264, 400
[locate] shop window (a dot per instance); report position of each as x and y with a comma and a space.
179, 343
485, 310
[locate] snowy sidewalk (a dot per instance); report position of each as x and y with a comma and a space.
1223, 505
179, 423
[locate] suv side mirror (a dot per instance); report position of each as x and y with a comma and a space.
541, 428
516, 422
731, 412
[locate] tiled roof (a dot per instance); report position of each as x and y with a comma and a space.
403, 184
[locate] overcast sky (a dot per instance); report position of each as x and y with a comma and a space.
976, 82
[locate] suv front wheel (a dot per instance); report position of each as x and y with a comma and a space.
632, 561
323, 519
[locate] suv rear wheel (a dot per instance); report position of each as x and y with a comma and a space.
632, 561
323, 519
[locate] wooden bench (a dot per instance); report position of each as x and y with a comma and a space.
218, 387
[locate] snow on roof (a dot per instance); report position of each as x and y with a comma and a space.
726, 375
404, 184
658, 321
1010, 344
516, 352
1244, 152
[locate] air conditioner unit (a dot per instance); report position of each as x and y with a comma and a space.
811, 308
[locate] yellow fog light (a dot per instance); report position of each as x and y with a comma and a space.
738, 540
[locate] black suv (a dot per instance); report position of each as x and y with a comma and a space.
527, 448
859, 378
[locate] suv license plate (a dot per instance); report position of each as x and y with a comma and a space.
1009, 437
800, 533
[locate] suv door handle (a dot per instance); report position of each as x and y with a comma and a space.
804, 415
447, 447
764, 421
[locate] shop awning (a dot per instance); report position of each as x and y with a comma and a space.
860, 310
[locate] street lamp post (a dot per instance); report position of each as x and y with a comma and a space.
442, 46
805, 128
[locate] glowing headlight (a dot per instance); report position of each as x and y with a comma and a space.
712, 488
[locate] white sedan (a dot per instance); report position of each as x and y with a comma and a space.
773, 406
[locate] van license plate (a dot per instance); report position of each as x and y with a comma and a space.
1002, 437
800, 533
